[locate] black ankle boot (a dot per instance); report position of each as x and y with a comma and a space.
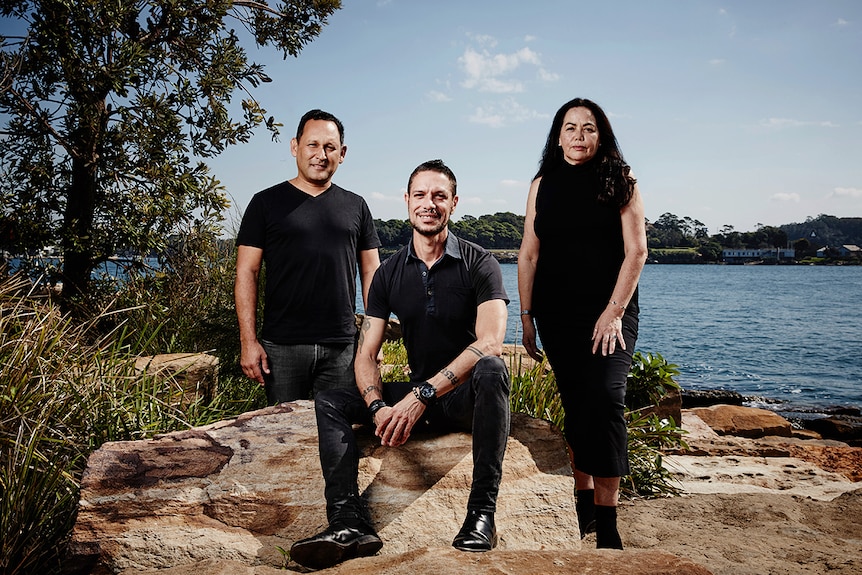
477, 534
586, 508
339, 542
607, 536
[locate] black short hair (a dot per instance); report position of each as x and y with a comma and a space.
319, 115
435, 166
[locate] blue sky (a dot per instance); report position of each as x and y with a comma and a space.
733, 113
730, 112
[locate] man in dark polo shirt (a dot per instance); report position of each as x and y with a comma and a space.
448, 295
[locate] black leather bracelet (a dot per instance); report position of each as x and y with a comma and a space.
376, 406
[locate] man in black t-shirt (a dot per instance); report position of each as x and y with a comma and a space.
309, 235
448, 295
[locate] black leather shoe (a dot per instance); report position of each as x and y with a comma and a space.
477, 534
336, 544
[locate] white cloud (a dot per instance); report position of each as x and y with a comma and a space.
488, 72
842, 22
488, 117
504, 113
436, 96
485, 40
716, 62
848, 192
790, 123
547, 76
785, 197
385, 198
520, 184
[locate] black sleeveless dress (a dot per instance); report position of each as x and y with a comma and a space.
580, 254
580, 237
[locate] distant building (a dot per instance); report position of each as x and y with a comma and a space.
740, 256
847, 250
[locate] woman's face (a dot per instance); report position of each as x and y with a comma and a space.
579, 136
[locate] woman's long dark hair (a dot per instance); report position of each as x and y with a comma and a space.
614, 172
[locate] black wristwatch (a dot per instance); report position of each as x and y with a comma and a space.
376, 406
425, 393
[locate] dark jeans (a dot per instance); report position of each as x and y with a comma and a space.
300, 371
479, 405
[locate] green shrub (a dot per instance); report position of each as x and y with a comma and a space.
649, 380
65, 389
185, 306
534, 392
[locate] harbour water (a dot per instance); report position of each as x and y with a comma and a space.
788, 334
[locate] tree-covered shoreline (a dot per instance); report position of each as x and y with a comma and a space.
671, 239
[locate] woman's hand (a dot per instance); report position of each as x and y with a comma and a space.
529, 338
608, 332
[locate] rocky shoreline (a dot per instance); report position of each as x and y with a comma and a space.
759, 497
841, 423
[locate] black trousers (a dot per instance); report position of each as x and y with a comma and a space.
479, 405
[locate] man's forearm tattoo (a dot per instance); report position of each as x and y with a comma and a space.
475, 350
453, 379
366, 325
369, 389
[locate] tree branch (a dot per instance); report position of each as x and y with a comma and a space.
257, 6
34, 113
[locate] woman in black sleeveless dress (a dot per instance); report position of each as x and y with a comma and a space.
581, 256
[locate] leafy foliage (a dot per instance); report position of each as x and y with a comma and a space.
825, 230
671, 239
502, 230
534, 392
111, 108
649, 437
65, 389
650, 379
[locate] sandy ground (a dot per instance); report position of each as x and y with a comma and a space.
749, 515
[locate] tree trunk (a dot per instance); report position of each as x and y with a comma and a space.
78, 241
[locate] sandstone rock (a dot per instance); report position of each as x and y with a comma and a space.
843, 459
241, 489
426, 561
194, 374
847, 428
804, 463
743, 421
669, 407
805, 434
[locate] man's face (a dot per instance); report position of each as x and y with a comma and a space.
430, 202
318, 152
